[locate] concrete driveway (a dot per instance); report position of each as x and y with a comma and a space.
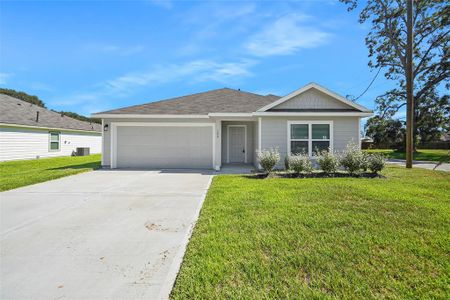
98, 235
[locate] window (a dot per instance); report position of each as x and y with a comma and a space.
54, 141
309, 137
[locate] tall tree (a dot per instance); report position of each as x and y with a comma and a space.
386, 42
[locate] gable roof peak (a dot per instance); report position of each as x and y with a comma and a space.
320, 88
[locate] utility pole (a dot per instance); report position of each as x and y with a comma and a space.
409, 85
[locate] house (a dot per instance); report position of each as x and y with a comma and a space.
28, 131
226, 126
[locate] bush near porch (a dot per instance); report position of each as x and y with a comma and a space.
321, 238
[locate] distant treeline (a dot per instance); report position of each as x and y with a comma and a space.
35, 100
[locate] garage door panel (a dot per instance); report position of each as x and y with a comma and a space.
164, 147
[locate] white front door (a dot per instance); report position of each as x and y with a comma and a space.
236, 144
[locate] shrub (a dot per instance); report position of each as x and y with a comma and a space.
327, 161
365, 160
352, 159
268, 159
376, 163
300, 163
287, 167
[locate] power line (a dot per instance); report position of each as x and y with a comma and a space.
368, 87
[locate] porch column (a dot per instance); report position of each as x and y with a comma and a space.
218, 145
259, 142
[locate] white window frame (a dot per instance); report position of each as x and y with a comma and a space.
228, 142
50, 141
310, 140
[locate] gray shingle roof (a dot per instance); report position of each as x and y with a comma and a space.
15, 111
216, 101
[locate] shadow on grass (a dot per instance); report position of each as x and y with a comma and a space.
91, 165
313, 175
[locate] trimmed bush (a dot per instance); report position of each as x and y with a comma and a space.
352, 159
365, 160
268, 159
377, 162
300, 163
327, 161
287, 166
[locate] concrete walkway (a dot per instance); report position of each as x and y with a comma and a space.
98, 235
421, 164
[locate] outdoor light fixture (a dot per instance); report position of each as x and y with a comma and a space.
105, 128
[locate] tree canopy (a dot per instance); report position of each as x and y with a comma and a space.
386, 42
23, 96
385, 132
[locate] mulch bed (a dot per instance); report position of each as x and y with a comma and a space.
314, 175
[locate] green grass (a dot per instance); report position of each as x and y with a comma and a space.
14, 174
341, 238
423, 154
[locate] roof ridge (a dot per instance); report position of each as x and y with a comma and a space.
168, 99
34, 106
242, 91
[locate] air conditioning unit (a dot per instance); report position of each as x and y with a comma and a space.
82, 151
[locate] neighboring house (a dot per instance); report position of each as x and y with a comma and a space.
207, 130
28, 131
366, 142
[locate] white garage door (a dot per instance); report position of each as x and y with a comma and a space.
164, 147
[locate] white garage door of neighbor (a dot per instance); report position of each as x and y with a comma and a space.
164, 147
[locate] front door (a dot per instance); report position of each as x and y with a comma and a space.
236, 144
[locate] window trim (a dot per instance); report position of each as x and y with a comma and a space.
50, 141
310, 140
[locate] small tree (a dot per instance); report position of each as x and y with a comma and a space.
300, 163
327, 161
268, 159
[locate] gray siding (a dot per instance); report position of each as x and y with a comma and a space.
250, 139
312, 99
274, 132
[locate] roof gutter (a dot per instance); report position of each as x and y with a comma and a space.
236, 115
48, 128
142, 116
313, 114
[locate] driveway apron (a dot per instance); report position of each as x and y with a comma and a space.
98, 235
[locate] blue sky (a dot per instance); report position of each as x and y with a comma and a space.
90, 56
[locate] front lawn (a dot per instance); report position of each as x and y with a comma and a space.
321, 238
14, 174
422, 154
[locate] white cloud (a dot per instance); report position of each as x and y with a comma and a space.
167, 4
195, 71
212, 24
112, 49
4, 77
102, 96
285, 36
